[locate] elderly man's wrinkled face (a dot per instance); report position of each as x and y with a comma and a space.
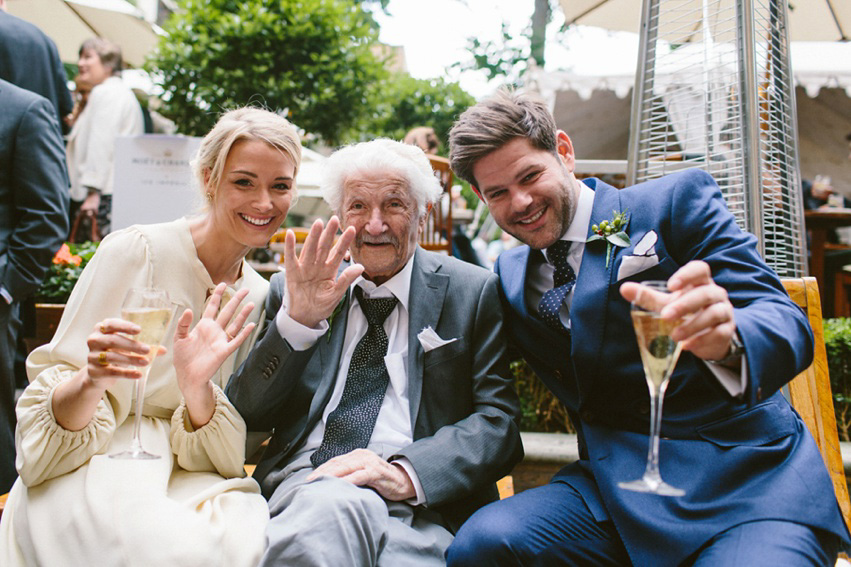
384, 213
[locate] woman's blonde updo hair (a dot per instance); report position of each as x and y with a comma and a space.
247, 123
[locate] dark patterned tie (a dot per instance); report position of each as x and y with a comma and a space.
350, 425
563, 280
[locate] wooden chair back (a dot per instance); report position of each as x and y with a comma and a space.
437, 235
809, 392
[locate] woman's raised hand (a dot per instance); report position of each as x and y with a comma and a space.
200, 352
313, 286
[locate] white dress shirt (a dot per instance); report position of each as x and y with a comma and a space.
540, 280
393, 429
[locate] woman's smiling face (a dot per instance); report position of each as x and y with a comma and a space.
255, 193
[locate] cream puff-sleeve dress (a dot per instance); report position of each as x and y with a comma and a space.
73, 505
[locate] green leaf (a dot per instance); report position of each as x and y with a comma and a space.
594, 237
620, 239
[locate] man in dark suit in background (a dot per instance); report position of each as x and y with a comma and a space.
33, 224
389, 394
756, 491
30, 60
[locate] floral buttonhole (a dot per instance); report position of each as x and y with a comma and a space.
613, 232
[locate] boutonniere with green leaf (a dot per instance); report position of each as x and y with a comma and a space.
613, 232
334, 315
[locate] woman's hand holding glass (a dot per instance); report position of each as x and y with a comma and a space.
200, 352
114, 354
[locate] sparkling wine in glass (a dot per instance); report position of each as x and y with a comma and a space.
150, 309
659, 354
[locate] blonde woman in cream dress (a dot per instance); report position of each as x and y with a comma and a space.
73, 505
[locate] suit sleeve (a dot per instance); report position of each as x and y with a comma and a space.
39, 197
474, 452
775, 332
259, 387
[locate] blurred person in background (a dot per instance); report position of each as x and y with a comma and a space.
111, 111
192, 506
30, 60
33, 223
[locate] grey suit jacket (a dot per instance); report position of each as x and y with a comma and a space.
464, 409
33, 189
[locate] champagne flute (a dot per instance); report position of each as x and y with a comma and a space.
659, 354
150, 309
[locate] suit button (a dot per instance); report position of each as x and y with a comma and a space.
266, 373
275, 360
558, 374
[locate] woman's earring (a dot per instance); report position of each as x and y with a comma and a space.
210, 196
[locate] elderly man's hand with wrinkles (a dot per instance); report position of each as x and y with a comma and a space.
709, 325
313, 287
362, 467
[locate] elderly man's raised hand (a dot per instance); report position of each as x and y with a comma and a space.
313, 286
709, 324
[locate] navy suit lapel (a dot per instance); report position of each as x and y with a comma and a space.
594, 283
428, 291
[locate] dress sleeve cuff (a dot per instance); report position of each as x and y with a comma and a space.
45, 449
218, 446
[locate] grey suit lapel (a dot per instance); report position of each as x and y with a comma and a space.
323, 377
428, 291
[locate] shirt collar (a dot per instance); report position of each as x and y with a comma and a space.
578, 229
399, 286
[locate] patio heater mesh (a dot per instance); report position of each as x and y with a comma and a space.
714, 91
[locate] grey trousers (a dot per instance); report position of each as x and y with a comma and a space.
332, 523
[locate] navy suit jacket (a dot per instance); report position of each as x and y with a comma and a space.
738, 458
464, 410
29, 59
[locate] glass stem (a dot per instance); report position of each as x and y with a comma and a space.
657, 394
136, 444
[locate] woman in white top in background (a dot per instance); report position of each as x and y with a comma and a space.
111, 110
73, 505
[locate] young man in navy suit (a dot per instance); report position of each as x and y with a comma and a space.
756, 489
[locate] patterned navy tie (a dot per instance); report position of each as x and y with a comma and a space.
563, 280
350, 425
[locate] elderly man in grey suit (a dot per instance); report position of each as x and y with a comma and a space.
386, 383
33, 223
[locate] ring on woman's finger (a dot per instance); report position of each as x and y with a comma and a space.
102, 328
230, 337
102, 359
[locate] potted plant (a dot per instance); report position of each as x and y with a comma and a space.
68, 264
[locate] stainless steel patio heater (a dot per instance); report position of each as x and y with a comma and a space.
714, 91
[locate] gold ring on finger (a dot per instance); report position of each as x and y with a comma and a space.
230, 337
102, 328
102, 359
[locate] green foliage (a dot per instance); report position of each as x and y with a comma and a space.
62, 276
402, 102
313, 58
837, 340
540, 409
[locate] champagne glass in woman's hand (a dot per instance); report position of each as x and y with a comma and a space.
659, 354
151, 310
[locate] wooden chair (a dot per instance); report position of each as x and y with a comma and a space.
810, 394
437, 235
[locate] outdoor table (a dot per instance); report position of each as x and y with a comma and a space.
819, 222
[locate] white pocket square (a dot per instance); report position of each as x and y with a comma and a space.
643, 258
430, 340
